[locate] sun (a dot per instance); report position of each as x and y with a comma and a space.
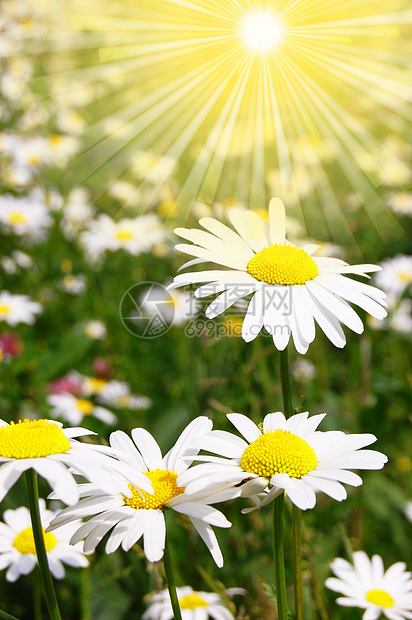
262, 31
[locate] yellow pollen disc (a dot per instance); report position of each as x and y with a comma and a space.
84, 406
95, 385
124, 235
4, 309
164, 486
32, 439
17, 218
279, 452
123, 400
192, 601
55, 140
282, 264
405, 276
24, 541
34, 160
380, 598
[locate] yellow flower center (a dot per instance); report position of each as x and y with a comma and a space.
282, 264
405, 276
17, 218
34, 160
164, 486
279, 452
123, 400
380, 598
95, 385
124, 235
192, 601
4, 309
24, 541
30, 439
84, 406
55, 140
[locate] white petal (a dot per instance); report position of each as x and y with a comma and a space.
244, 425
154, 536
147, 447
277, 221
253, 321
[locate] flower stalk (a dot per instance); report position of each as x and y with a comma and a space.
296, 512
167, 562
279, 557
45, 575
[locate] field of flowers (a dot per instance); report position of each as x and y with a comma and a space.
91, 337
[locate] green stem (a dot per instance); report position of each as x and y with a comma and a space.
297, 559
171, 583
285, 383
7, 616
46, 579
296, 512
36, 595
279, 557
85, 594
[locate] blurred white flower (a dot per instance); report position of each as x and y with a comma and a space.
18, 551
77, 212
24, 216
75, 285
401, 318
95, 330
73, 410
303, 370
194, 606
396, 275
117, 394
134, 235
401, 202
16, 309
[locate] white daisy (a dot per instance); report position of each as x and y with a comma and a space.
139, 514
49, 449
366, 585
117, 394
401, 202
73, 410
16, 309
288, 455
291, 287
134, 235
75, 285
24, 216
396, 275
18, 551
95, 329
193, 605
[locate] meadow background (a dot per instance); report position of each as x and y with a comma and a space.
366, 387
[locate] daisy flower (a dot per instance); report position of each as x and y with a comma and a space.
366, 585
135, 235
16, 309
291, 287
73, 410
139, 514
396, 275
286, 455
24, 216
18, 551
117, 394
193, 605
49, 449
